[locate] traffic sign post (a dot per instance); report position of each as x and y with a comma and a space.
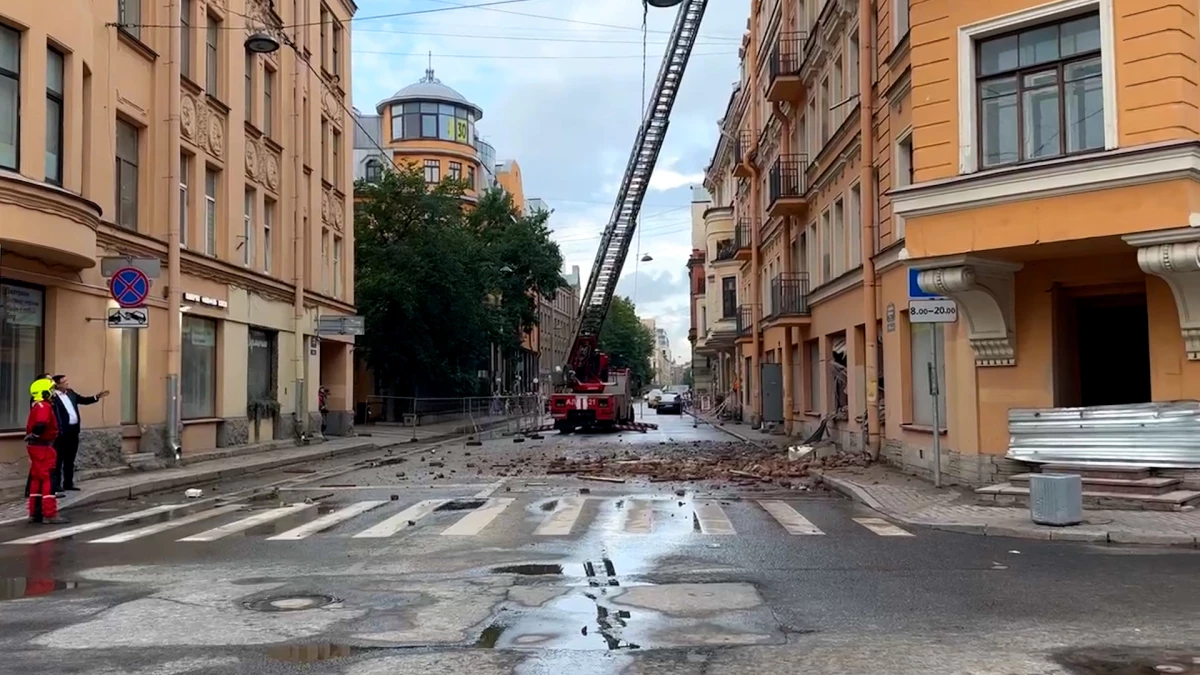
129, 287
934, 310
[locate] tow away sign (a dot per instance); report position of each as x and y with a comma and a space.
131, 317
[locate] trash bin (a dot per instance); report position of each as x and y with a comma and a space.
1056, 499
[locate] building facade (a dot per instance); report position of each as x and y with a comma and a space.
701, 365
149, 132
557, 320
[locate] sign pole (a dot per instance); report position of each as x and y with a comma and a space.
935, 394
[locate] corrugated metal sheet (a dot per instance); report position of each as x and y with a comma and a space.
1143, 434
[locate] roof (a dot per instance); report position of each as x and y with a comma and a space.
430, 89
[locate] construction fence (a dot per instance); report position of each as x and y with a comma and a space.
483, 417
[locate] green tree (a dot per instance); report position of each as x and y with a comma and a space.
628, 343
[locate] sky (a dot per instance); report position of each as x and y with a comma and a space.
560, 84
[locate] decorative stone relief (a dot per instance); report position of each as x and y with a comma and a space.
332, 110
1174, 256
216, 134
252, 156
271, 169
187, 117
335, 206
325, 207
985, 293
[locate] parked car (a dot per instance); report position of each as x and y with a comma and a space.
670, 403
653, 397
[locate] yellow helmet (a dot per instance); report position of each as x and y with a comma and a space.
40, 389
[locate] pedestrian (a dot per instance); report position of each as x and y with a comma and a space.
323, 405
41, 430
66, 406
54, 476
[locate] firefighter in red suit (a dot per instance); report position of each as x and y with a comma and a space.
40, 431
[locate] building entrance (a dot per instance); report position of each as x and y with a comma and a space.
1102, 349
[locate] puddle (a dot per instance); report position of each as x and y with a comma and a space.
15, 588
580, 621
461, 505
289, 603
1130, 661
529, 570
310, 653
549, 506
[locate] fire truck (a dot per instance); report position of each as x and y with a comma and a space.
592, 393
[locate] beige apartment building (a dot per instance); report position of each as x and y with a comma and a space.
149, 131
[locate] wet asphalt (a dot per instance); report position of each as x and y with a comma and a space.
528, 573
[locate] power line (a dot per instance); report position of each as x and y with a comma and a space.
522, 57
522, 38
394, 15
637, 29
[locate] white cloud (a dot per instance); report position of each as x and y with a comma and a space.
569, 114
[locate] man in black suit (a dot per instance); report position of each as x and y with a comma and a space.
66, 407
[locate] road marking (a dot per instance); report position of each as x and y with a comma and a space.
244, 524
489, 490
328, 520
156, 528
882, 527
400, 521
791, 521
563, 519
98, 525
712, 518
474, 522
640, 518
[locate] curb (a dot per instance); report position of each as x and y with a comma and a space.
1044, 533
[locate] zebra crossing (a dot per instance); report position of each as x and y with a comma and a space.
563, 516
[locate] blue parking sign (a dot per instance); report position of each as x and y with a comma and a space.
914, 289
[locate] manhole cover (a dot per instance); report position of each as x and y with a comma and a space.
290, 603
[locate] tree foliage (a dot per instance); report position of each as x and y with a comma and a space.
628, 343
438, 283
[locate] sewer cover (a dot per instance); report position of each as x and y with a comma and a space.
289, 603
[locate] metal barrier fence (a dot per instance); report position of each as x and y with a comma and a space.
481, 417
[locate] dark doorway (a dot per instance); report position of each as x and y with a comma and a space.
1102, 350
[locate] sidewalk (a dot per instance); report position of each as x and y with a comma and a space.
210, 465
913, 501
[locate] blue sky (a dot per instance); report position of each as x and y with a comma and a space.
560, 84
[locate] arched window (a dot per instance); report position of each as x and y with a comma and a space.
374, 170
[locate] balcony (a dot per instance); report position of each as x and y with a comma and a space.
784, 84
743, 153
743, 241
787, 186
789, 296
745, 321
47, 223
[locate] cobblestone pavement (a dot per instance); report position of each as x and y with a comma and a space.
914, 501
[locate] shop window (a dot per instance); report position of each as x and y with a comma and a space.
22, 322
921, 351
260, 365
199, 357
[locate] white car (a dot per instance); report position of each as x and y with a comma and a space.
653, 397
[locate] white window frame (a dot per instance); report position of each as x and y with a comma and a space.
210, 210
899, 179
855, 222
838, 245
897, 34
248, 229
337, 266
185, 198
268, 225
968, 36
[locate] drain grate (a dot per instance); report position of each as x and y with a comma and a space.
289, 603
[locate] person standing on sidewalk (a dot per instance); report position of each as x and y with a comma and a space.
323, 405
41, 430
66, 405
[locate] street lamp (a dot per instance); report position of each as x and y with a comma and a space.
262, 43
647, 258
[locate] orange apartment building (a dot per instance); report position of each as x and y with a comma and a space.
1034, 161
149, 130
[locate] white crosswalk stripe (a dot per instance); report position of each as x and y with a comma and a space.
97, 525
327, 521
260, 518
882, 527
712, 518
149, 530
400, 521
789, 518
475, 521
563, 518
639, 519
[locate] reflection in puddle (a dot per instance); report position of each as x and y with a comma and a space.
532, 570
461, 505
30, 587
576, 621
310, 653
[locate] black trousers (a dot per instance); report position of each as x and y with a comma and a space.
67, 447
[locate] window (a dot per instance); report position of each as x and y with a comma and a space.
728, 297
127, 175
853, 63
374, 170
249, 96
211, 178
248, 230
839, 238
130, 354
337, 159
337, 48
324, 149
337, 266
838, 84
813, 396
826, 240
1040, 93
198, 380
904, 161
855, 219
268, 227
456, 170
260, 365
10, 98
324, 260
268, 111
812, 128
825, 105
129, 16
185, 41
922, 336
471, 178
185, 170
324, 37
54, 116
901, 21
433, 170
212, 69
22, 316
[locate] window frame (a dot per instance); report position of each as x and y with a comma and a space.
125, 23
15, 76
211, 212
185, 43
335, 143
185, 197
373, 166
211, 405
269, 206
271, 338
455, 170
268, 111
212, 56
40, 346
919, 377
58, 97
248, 232
968, 36
436, 165
729, 293
249, 85
119, 213
338, 248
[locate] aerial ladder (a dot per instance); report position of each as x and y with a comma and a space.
592, 394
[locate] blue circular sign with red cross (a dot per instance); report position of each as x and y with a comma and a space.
130, 287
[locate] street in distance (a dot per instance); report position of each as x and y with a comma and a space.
932, 310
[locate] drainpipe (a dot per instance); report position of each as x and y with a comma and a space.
301, 358
174, 292
866, 87
789, 395
755, 235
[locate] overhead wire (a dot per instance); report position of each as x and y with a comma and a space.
581, 22
637, 259
552, 57
375, 17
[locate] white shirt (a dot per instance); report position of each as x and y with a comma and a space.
69, 406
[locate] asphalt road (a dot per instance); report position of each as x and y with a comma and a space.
478, 572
